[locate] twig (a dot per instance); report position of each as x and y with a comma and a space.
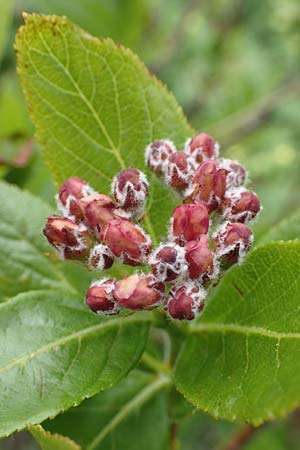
241, 438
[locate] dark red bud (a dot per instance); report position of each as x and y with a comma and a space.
98, 209
209, 184
240, 205
186, 302
100, 298
177, 171
127, 241
101, 258
232, 241
202, 147
130, 188
236, 174
139, 292
157, 153
168, 262
189, 222
199, 258
69, 238
70, 192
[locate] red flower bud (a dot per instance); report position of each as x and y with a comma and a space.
188, 222
70, 192
69, 238
139, 292
208, 185
157, 153
202, 147
186, 301
98, 209
232, 241
130, 188
236, 174
127, 241
200, 259
100, 298
168, 262
101, 257
240, 205
178, 171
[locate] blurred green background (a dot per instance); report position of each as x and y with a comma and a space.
234, 66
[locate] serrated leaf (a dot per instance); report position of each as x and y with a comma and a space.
54, 353
48, 441
95, 107
242, 358
132, 415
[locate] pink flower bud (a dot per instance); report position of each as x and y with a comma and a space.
70, 192
202, 147
69, 238
100, 298
127, 241
188, 222
232, 241
101, 257
168, 262
186, 301
157, 153
98, 209
240, 205
200, 259
208, 185
178, 171
236, 174
130, 188
139, 292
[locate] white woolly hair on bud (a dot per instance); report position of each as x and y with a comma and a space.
198, 297
65, 209
234, 195
193, 155
179, 267
109, 289
80, 246
143, 247
222, 250
99, 252
88, 190
148, 154
129, 188
171, 169
233, 179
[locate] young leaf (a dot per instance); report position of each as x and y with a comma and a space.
54, 353
95, 107
132, 415
242, 358
48, 441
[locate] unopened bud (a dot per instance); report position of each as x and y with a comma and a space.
186, 302
177, 171
100, 298
157, 153
127, 241
236, 174
208, 185
240, 205
168, 262
98, 209
202, 147
139, 292
101, 258
232, 241
70, 192
68, 237
130, 188
200, 259
189, 222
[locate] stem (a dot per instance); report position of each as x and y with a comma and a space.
241, 438
155, 364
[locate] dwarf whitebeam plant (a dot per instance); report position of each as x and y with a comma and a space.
207, 233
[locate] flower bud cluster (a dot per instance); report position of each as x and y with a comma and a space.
208, 231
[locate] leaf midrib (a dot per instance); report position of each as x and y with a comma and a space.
241, 329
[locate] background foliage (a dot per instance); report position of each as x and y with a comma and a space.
233, 66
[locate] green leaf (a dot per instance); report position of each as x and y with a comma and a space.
286, 230
48, 441
95, 107
132, 415
54, 353
242, 358
6, 7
